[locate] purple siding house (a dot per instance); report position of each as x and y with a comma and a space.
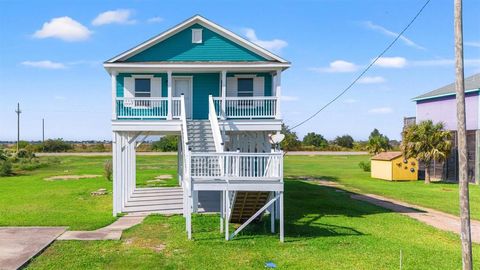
440, 106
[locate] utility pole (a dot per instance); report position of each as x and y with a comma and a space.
43, 130
465, 231
18, 111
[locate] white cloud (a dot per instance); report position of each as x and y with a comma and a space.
381, 110
155, 20
387, 32
274, 45
445, 63
337, 66
46, 64
350, 101
391, 62
59, 97
472, 43
119, 16
289, 98
371, 80
64, 28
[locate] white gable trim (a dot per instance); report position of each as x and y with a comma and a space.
212, 26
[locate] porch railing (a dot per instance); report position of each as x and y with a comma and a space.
246, 107
236, 166
152, 108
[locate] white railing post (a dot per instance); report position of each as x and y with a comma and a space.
169, 95
224, 94
278, 92
113, 74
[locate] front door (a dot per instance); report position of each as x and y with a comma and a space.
183, 85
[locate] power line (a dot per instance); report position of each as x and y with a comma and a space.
366, 69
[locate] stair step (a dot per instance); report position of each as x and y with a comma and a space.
155, 195
156, 202
148, 208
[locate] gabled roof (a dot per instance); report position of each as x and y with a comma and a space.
387, 156
472, 84
197, 19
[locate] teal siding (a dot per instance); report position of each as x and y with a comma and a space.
268, 80
180, 48
121, 76
204, 84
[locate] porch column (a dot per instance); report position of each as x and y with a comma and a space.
278, 91
224, 93
116, 174
113, 74
169, 87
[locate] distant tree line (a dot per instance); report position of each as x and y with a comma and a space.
312, 141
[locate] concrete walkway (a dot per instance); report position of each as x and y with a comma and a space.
437, 219
110, 232
18, 245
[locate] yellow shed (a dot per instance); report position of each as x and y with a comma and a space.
392, 166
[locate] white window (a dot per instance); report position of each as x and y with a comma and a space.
197, 36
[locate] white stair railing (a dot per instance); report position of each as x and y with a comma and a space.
212, 116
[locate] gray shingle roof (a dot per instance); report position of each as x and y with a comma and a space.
472, 84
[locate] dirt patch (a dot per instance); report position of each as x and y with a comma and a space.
144, 243
71, 177
164, 176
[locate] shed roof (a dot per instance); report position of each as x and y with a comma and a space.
387, 156
472, 84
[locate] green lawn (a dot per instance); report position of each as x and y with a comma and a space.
29, 200
325, 229
345, 170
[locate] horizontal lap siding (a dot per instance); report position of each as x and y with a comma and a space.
180, 48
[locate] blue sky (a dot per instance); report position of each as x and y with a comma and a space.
58, 75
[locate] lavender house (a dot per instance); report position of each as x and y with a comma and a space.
440, 106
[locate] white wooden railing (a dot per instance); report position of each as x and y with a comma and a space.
157, 108
212, 116
236, 166
247, 107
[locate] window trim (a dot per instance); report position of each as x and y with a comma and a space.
197, 31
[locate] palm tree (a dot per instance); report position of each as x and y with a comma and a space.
378, 143
427, 142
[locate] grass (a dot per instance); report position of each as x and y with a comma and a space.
27, 199
345, 170
325, 229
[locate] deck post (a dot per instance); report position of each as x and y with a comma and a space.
227, 213
169, 93
281, 218
113, 74
189, 215
278, 92
224, 94
272, 218
115, 175
222, 200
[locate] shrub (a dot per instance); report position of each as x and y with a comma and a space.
25, 154
365, 166
56, 145
344, 141
107, 170
313, 139
5, 168
167, 143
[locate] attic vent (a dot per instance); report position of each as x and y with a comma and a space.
196, 35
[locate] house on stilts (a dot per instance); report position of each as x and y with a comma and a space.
221, 94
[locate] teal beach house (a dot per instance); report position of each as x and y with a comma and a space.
221, 94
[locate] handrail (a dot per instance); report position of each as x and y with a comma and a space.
212, 116
186, 149
247, 107
146, 107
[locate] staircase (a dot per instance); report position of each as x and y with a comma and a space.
200, 137
246, 204
156, 200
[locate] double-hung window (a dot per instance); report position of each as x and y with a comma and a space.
142, 90
245, 87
